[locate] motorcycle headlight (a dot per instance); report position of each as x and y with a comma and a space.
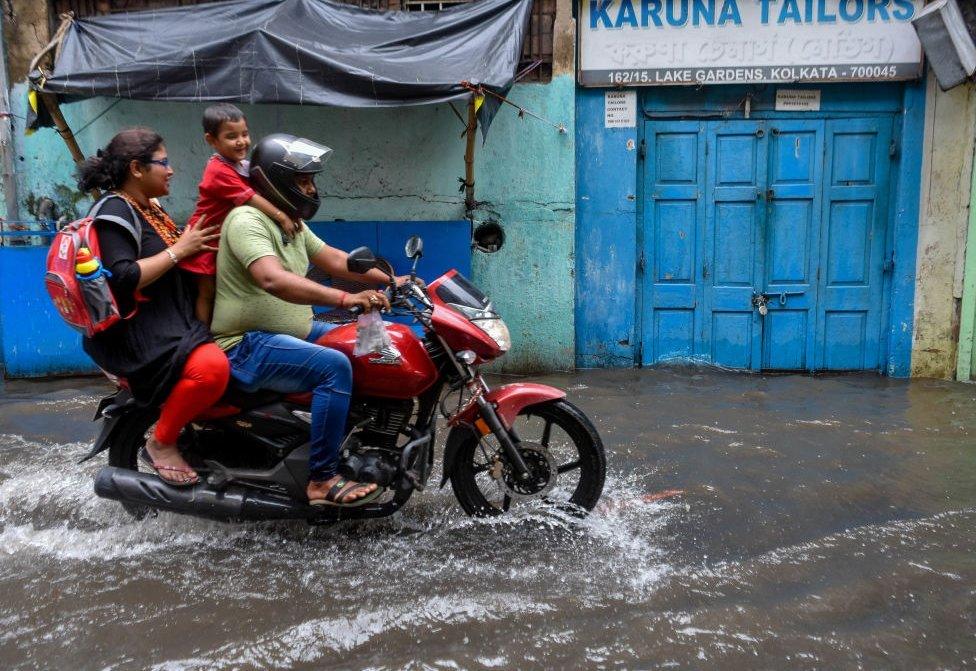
497, 330
488, 321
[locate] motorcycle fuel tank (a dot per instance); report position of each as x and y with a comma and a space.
404, 370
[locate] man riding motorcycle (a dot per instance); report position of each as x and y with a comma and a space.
263, 314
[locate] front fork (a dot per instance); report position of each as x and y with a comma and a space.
488, 414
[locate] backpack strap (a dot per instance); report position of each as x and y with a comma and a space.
134, 227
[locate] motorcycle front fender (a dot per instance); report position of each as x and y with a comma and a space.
508, 401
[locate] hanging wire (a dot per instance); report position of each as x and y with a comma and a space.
99, 116
458, 115
522, 111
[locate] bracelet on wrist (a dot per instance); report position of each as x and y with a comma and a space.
172, 256
342, 299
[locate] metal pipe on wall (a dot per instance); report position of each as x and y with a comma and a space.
8, 180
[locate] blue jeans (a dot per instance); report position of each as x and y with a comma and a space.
288, 365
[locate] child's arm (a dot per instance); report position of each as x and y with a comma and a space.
283, 220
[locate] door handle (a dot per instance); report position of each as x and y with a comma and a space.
770, 194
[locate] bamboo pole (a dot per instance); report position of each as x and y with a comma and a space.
64, 130
51, 102
469, 201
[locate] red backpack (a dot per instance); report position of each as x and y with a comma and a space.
75, 278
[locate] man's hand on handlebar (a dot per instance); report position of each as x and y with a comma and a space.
366, 301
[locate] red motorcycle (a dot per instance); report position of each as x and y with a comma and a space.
507, 444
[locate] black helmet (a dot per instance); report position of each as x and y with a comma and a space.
275, 162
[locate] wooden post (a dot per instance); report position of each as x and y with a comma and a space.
64, 130
967, 322
469, 201
51, 102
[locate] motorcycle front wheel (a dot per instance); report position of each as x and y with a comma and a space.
561, 447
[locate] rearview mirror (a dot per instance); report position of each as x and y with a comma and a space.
414, 247
361, 260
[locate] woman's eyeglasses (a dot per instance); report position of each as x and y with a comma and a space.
160, 161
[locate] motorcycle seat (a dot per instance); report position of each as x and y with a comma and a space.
235, 400
245, 400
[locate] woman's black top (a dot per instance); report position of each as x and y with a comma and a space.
150, 348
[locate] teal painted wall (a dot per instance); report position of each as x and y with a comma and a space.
389, 164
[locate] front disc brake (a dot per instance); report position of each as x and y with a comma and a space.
542, 473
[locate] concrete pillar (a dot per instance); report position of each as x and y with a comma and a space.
564, 40
943, 225
966, 365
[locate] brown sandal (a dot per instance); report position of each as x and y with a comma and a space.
157, 467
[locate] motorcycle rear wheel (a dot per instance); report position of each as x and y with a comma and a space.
567, 436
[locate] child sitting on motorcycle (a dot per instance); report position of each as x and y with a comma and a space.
223, 187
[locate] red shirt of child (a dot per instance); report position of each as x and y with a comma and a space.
223, 187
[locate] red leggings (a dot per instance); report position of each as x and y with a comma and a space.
202, 382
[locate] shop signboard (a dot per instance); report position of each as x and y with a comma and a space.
695, 42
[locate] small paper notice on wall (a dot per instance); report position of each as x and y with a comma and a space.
620, 109
798, 100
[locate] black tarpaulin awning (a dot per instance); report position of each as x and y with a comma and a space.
310, 52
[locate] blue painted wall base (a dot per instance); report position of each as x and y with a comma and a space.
35, 340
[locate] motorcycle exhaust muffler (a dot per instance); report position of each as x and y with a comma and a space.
202, 500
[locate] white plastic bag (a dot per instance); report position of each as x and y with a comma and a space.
371, 335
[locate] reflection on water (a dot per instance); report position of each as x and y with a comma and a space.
783, 522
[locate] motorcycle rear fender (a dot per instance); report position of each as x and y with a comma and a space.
110, 410
508, 401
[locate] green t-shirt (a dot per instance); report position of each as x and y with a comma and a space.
241, 305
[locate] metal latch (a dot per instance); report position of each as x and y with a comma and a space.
783, 295
761, 301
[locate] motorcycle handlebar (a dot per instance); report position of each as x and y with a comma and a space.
391, 294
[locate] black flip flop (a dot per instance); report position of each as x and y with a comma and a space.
340, 489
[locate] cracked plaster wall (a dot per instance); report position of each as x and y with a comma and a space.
390, 164
25, 32
949, 141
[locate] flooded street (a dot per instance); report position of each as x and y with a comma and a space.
747, 522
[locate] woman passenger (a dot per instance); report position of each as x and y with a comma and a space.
167, 356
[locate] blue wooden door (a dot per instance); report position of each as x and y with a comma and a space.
790, 240
670, 240
786, 213
852, 243
730, 332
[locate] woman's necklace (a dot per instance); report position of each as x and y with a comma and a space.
161, 222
